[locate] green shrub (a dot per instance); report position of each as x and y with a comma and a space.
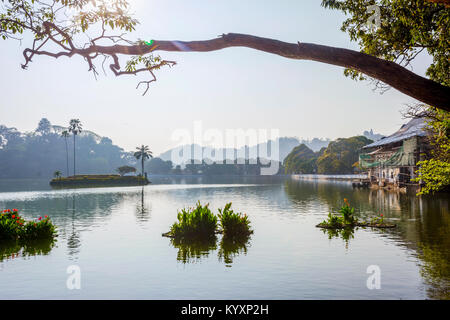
14, 227
198, 222
347, 213
43, 229
346, 219
333, 221
8, 229
234, 224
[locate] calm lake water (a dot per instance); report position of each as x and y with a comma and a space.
114, 236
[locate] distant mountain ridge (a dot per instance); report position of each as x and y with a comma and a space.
286, 145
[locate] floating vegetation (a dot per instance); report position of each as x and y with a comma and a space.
194, 223
234, 224
15, 227
195, 233
347, 220
201, 223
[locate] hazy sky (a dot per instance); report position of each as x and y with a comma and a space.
228, 89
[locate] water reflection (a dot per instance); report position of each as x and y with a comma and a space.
193, 250
16, 249
142, 210
232, 247
423, 223
345, 234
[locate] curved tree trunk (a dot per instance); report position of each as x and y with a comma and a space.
400, 78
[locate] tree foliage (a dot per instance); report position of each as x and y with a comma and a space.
341, 155
434, 172
338, 158
125, 169
60, 23
33, 154
60, 27
301, 160
407, 28
159, 166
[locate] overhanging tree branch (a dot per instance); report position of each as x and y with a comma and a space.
407, 82
47, 29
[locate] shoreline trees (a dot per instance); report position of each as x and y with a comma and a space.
143, 153
75, 128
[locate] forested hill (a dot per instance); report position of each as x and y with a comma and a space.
340, 157
42, 152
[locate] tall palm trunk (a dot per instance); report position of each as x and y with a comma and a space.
142, 160
67, 157
74, 172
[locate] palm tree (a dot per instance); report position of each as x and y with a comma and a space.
57, 174
75, 127
65, 135
143, 153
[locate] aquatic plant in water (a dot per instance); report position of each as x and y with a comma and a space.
345, 220
15, 227
234, 224
194, 234
348, 220
198, 222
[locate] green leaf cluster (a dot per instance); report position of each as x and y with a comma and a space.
408, 27
201, 223
434, 172
198, 222
234, 224
14, 227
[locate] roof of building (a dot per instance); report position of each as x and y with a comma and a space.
415, 127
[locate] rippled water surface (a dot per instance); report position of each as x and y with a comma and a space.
114, 236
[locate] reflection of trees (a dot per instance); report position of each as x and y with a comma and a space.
73, 241
345, 234
142, 211
232, 247
192, 250
14, 249
423, 223
328, 192
435, 270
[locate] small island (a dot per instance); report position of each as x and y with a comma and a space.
99, 181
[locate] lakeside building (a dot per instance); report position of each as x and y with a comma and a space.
392, 161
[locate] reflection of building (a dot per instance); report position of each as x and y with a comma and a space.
392, 161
